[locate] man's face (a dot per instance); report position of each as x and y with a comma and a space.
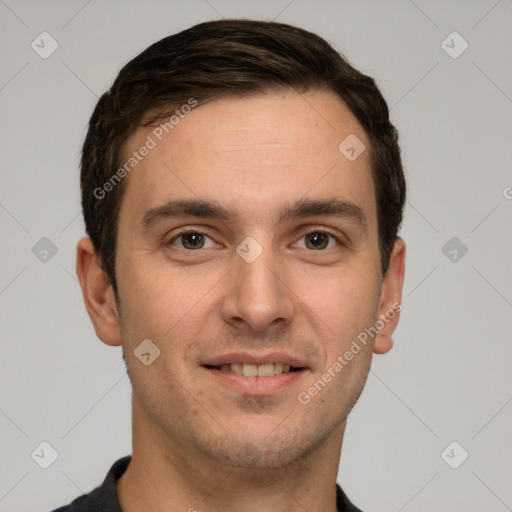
315, 286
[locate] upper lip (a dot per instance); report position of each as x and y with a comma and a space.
257, 359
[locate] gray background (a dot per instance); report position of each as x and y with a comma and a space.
448, 377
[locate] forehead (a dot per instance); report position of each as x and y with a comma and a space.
255, 152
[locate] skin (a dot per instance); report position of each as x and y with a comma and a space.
196, 443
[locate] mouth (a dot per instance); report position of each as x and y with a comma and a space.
255, 375
255, 370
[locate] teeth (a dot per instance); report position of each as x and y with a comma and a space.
235, 368
278, 368
254, 370
249, 370
265, 370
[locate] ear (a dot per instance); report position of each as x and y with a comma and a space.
391, 296
98, 293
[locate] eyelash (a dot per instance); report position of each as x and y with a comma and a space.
188, 231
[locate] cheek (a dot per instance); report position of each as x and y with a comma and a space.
346, 300
143, 297
162, 303
347, 307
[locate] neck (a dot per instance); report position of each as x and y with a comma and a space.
168, 475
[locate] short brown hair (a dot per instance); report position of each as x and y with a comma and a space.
236, 57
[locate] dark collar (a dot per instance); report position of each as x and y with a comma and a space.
104, 497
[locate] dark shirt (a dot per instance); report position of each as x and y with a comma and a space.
104, 497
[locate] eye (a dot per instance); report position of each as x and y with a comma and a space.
191, 239
319, 240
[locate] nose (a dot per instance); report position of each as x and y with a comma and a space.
258, 295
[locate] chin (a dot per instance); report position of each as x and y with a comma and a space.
251, 455
275, 450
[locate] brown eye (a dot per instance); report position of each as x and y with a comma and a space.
190, 240
319, 240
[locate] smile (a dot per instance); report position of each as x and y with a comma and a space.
255, 370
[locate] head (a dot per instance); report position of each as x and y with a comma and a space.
232, 129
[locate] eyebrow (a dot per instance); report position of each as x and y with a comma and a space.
333, 207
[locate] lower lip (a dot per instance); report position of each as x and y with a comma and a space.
256, 386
